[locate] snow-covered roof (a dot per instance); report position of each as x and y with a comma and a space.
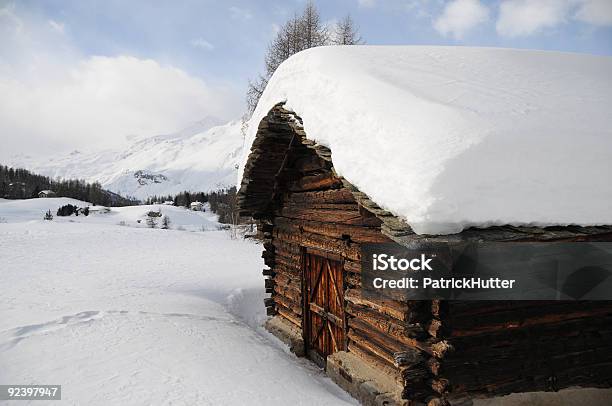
452, 137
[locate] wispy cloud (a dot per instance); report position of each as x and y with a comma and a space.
366, 3
57, 26
238, 13
202, 44
596, 12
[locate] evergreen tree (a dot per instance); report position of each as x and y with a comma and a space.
151, 221
21, 184
165, 222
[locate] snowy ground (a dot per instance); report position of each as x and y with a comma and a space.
131, 315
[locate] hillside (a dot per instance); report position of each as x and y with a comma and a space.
198, 158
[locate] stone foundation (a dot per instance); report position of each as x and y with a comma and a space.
367, 384
287, 333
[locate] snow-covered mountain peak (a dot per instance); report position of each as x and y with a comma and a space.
201, 157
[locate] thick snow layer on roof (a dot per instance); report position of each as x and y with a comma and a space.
452, 137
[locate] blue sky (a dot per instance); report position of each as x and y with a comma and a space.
197, 56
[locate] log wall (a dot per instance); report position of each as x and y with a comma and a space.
505, 347
316, 211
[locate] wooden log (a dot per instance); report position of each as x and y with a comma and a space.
287, 271
408, 358
292, 294
529, 317
356, 233
439, 385
569, 335
417, 391
310, 163
383, 341
415, 373
267, 254
289, 281
288, 257
352, 266
434, 365
434, 328
288, 315
287, 246
287, 302
327, 196
330, 216
309, 240
384, 356
316, 182
391, 308
400, 330
441, 349
352, 207
436, 401
352, 280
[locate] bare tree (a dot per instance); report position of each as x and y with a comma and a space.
347, 33
314, 33
299, 33
254, 91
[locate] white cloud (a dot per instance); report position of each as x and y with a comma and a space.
202, 44
53, 98
59, 27
519, 18
526, 17
238, 13
460, 16
366, 3
596, 12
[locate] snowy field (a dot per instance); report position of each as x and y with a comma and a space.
127, 315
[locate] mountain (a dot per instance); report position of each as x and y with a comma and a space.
197, 158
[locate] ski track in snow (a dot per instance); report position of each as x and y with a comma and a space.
134, 316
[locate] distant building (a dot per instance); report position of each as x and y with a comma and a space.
47, 193
168, 203
197, 206
99, 210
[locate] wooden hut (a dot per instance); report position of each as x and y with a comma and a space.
313, 222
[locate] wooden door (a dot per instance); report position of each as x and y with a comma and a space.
323, 307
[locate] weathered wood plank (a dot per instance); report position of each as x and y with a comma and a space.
358, 234
316, 182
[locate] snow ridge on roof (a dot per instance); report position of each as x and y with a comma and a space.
452, 137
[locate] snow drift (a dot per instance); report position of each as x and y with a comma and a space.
452, 137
